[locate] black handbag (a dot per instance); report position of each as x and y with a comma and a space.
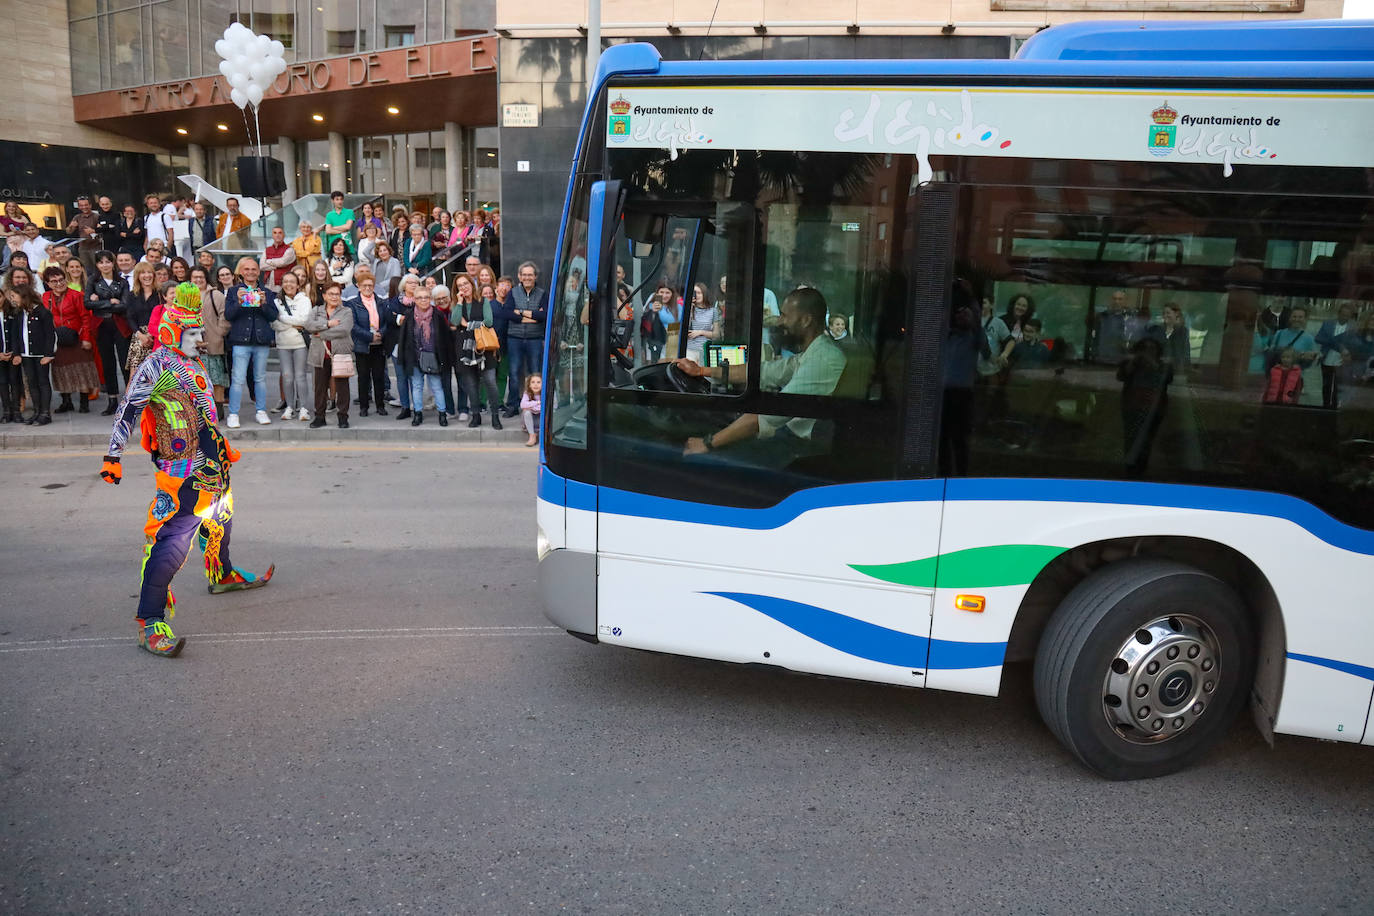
429, 362
67, 337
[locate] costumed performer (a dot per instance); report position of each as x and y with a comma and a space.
170, 398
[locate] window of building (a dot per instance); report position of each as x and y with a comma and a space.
399, 36
336, 42
429, 158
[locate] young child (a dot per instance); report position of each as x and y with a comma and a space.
1030, 352
1285, 379
529, 408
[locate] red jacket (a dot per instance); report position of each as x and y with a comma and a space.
71, 312
1285, 385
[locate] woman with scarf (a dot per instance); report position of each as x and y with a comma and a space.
474, 364
426, 350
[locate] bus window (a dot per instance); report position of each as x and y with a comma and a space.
1174, 337
788, 300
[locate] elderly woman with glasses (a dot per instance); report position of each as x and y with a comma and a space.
306, 244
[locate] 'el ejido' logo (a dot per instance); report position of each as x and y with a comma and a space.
619, 123
1162, 130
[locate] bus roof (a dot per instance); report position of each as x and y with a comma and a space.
1288, 49
1289, 39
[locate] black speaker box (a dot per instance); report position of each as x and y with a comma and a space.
261, 176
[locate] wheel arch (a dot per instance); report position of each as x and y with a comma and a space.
1059, 577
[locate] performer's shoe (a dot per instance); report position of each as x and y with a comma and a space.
236, 580
158, 638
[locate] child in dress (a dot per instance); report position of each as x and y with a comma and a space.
529, 407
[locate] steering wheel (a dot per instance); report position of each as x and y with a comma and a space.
687, 384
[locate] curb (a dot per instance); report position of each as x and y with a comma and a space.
430, 434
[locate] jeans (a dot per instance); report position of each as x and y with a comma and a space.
530, 419
295, 376
526, 357
243, 354
468, 375
402, 383
418, 380
371, 367
114, 353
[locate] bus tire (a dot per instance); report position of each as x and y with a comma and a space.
1144, 666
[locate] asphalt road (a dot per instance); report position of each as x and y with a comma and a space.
393, 727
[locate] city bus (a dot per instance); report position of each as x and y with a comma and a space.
906, 371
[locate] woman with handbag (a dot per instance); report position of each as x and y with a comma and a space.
331, 353
426, 351
478, 355
105, 299
73, 372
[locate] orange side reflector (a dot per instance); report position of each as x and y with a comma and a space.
974, 603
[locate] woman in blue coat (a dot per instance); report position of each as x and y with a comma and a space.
416, 252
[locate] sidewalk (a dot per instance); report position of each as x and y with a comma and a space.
92, 431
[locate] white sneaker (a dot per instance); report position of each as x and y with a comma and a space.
394, 402
305, 415
263, 418
288, 414
233, 421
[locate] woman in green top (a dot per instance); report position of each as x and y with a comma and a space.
338, 223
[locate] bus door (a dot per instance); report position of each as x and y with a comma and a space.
748, 502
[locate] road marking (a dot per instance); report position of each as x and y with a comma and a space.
78, 452
105, 642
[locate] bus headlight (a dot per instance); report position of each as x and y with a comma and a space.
541, 544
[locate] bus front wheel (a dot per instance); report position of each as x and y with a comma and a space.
1144, 666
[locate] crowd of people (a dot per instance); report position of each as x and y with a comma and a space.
407, 307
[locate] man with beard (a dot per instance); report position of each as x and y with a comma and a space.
814, 370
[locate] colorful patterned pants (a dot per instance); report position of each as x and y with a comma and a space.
180, 510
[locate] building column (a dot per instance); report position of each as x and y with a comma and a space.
195, 159
286, 152
338, 166
453, 166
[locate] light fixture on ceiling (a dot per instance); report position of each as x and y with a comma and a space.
182, 131
222, 126
318, 117
392, 109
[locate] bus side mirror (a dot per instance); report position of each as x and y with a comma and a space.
607, 203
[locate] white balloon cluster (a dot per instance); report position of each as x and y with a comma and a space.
251, 62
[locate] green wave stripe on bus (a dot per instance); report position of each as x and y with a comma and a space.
976, 567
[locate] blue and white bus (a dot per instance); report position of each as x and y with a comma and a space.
903, 371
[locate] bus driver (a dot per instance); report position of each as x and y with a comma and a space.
814, 369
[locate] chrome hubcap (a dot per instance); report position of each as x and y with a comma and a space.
1162, 679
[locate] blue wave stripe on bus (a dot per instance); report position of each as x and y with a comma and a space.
1347, 667
1020, 489
640, 505
870, 641
1167, 495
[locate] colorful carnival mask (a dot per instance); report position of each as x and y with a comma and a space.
182, 328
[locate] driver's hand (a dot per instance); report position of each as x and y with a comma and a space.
689, 367
695, 445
